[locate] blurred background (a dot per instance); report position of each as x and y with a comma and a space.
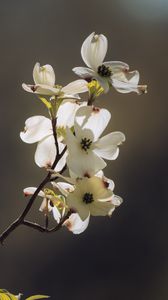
125, 257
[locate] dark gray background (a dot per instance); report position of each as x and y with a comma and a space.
125, 257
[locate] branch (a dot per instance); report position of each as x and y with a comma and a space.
44, 229
20, 220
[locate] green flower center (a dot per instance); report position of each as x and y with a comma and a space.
104, 71
85, 144
88, 198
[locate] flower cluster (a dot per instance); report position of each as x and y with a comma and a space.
72, 139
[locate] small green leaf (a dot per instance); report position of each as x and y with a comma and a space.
37, 297
46, 102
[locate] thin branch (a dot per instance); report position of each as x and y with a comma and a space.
20, 220
44, 229
54, 123
46, 221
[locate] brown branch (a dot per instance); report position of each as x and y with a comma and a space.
20, 220
44, 229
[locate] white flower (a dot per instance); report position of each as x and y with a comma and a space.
91, 196
86, 149
80, 197
56, 204
109, 73
74, 222
38, 129
44, 79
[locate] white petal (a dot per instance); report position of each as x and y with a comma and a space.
31, 190
100, 208
93, 50
56, 214
45, 152
36, 128
77, 205
79, 161
116, 200
93, 118
43, 206
126, 82
97, 187
75, 224
44, 75
63, 187
72, 142
81, 133
76, 87
66, 113
108, 182
107, 146
117, 66
83, 164
104, 82
41, 89
85, 73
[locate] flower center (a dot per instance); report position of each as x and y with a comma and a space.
85, 144
104, 71
88, 198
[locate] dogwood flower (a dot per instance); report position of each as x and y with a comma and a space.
74, 222
108, 73
86, 149
98, 187
56, 204
92, 196
44, 79
38, 129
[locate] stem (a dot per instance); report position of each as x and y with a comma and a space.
90, 101
20, 220
46, 221
44, 229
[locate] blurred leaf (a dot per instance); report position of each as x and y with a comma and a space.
36, 297
5, 295
46, 102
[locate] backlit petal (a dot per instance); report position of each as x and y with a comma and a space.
40, 89
117, 66
107, 146
64, 187
78, 206
56, 214
84, 72
45, 152
66, 113
93, 118
75, 224
36, 128
31, 190
76, 87
100, 208
93, 50
126, 82
116, 200
83, 164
